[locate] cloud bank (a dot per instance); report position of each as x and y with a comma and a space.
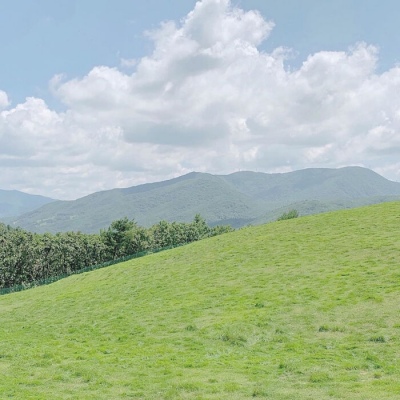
206, 99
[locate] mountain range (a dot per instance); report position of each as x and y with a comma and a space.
238, 199
14, 203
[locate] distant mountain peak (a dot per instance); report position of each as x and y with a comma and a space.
15, 203
239, 198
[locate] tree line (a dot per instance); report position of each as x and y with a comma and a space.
27, 257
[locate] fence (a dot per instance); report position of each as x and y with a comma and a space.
19, 288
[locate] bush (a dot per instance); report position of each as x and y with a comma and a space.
288, 215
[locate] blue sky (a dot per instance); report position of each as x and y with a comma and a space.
47, 37
100, 94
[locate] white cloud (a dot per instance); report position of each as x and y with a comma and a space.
205, 99
4, 102
128, 62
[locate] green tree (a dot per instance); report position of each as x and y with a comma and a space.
124, 237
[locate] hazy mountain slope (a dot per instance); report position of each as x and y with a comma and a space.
174, 200
14, 203
314, 184
299, 309
237, 199
309, 207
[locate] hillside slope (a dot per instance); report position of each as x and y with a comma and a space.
297, 309
238, 199
14, 203
314, 184
178, 199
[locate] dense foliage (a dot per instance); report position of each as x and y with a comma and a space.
288, 215
27, 257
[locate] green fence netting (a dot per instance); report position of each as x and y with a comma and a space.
46, 281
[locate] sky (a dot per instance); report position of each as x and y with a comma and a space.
96, 94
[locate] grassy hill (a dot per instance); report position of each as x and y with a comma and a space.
298, 309
14, 203
238, 199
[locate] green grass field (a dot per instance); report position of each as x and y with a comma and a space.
307, 308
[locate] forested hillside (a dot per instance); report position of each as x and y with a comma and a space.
14, 203
238, 199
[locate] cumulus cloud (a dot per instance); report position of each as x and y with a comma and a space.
4, 102
206, 99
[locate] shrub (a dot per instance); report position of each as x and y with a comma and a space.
288, 215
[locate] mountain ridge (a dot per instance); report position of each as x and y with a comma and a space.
240, 198
14, 202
